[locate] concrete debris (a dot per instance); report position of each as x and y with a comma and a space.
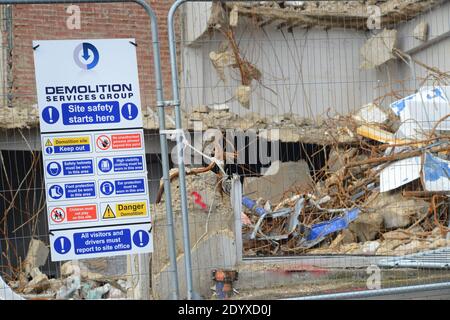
378, 49
220, 61
280, 180
220, 107
330, 14
69, 288
36, 256
38, 284
421, 31
384, 196
77, 281
234, 17
367, 227
371, 113
89, 292
397, 211
243, 95
115, 294
370, 247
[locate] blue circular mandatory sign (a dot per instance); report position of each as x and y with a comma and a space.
56, 192
49, 150
141, 238
54, 169
107, 188
50, 115
62, 245
105, 165
130, 111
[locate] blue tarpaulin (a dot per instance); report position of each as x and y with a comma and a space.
323, 229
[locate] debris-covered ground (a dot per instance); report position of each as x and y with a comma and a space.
385, 195
78, 280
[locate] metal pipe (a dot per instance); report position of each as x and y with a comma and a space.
377, 292
180, 153
160, 104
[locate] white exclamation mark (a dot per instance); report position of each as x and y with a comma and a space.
50, 115
62, 245
129, 111
140, 238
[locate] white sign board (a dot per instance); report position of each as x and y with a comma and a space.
93, 148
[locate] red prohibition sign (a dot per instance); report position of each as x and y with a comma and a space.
103, 142
58, 215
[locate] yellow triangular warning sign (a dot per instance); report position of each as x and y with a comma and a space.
108, 214
48, 143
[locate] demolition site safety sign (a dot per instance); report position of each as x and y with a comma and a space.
93, 148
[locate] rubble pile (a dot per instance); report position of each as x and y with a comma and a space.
384, 195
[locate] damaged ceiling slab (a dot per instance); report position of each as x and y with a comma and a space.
330, 14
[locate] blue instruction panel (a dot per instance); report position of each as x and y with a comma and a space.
121, 164
72, 149
90, 113
102, 241
78, 167
80, 190
123, 187
69, 168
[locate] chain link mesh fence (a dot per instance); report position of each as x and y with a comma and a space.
305, 103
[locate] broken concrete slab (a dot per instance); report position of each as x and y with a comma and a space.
397, 211
421, 31
387, 247
411, 247
220, 61
36, 256
369, 247
243, 95
378, 49
371, 113
38, 284
281, 180
339, 157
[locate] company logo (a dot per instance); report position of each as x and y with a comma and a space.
86, 56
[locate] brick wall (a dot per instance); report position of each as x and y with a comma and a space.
48, 22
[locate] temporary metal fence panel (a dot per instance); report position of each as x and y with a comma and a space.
304, 102
25, 268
